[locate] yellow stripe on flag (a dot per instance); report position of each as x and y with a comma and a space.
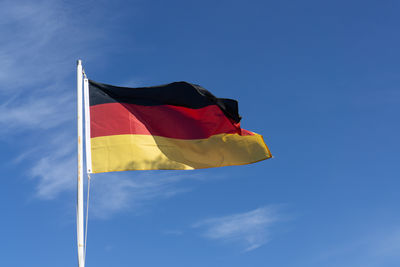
147, 152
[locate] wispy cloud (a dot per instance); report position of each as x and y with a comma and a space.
250, 229
36, 112
56, 170
133, 190
41, 41
37, 52
378, 246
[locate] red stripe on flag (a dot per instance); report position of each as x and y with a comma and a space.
164, 120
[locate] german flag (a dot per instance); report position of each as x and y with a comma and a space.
177, 126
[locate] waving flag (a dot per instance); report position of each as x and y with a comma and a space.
174, 126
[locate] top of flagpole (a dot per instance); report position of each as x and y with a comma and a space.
79, 62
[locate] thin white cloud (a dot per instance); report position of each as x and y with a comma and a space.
56, 171
250, 229
36, 112
55, 175
388, 244
377, 246
133, 190
41, 41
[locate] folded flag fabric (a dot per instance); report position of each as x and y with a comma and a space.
177, 126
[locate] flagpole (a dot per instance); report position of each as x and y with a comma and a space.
79, 208
87, 124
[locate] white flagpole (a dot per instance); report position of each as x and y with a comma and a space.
87, 125
79, 208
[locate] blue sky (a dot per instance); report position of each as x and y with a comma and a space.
318, 79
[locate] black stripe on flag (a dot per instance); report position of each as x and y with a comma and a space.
177, 94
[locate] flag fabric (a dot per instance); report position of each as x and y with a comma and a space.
175, 126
